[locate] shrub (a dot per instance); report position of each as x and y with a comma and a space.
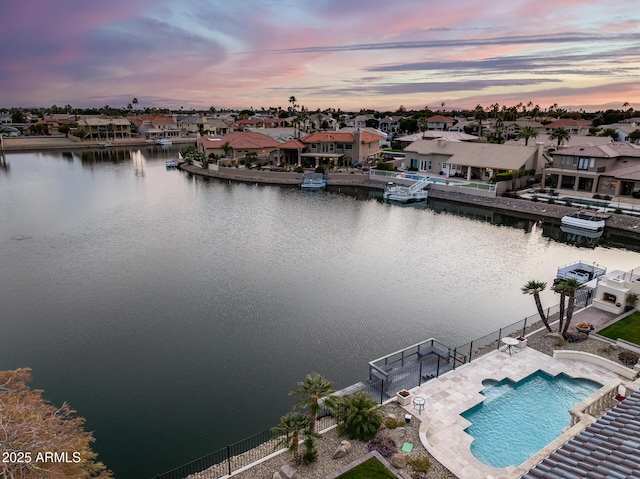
597, 196
385, 445
320, 169
419, 464
299, 169
628, 358
618, 211
551, 201
392, 423
574, 337
560, 342
607, 197
413, 168
534, 198
384, 166
568, 202
608, 349
358, 416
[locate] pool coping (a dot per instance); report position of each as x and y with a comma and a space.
442, 429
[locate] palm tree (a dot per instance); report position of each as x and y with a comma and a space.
534, 288
561, 289
561, 134
479, 114
423, 124
358, 416
313, 389
571, 285
292, 426
526, 133
135, 103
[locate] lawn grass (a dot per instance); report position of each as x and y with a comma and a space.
370, 469
627, 329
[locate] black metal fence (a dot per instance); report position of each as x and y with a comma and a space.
243, 453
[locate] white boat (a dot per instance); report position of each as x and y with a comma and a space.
313, 181
171, 164
164, 142
106, 144
585, 220
407, 194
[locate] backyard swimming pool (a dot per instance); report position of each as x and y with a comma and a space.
516, 420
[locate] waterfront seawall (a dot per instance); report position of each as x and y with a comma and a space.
360, 179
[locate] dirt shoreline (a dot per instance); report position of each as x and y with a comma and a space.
537, 210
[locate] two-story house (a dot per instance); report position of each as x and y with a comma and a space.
612, 169
389, 124
334, 148
156, 127
575, 127
439, 122
105, 127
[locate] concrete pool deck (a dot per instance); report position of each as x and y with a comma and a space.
442, 429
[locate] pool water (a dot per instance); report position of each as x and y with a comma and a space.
516, 420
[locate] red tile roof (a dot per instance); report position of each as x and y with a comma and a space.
293, 144
440, 119
241, 140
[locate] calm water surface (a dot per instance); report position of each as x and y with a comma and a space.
175, 313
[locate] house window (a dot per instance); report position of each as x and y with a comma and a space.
608, 184
566, 160
583, 163
429, 164
348, 147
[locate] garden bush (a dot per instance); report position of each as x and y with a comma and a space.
551, 201
575, 337
419, 464
384, 166
597, 196
629, 358
392, 423
320, 169
385, 445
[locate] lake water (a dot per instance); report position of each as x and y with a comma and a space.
175, 313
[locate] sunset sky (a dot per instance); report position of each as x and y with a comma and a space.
327, 53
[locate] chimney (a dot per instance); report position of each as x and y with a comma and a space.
441, 142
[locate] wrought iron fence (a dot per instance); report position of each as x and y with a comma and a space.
248, 451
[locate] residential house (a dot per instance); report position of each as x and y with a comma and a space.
102, 128
359, 121
204, 125
512, 128
550, 144
622, 129
156, 127
340, 148
5, 119
389, 124
439, 122
319, 118
405, 141
240, 143
575, 127
612, 169
612, 291
260, 123
470, 160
